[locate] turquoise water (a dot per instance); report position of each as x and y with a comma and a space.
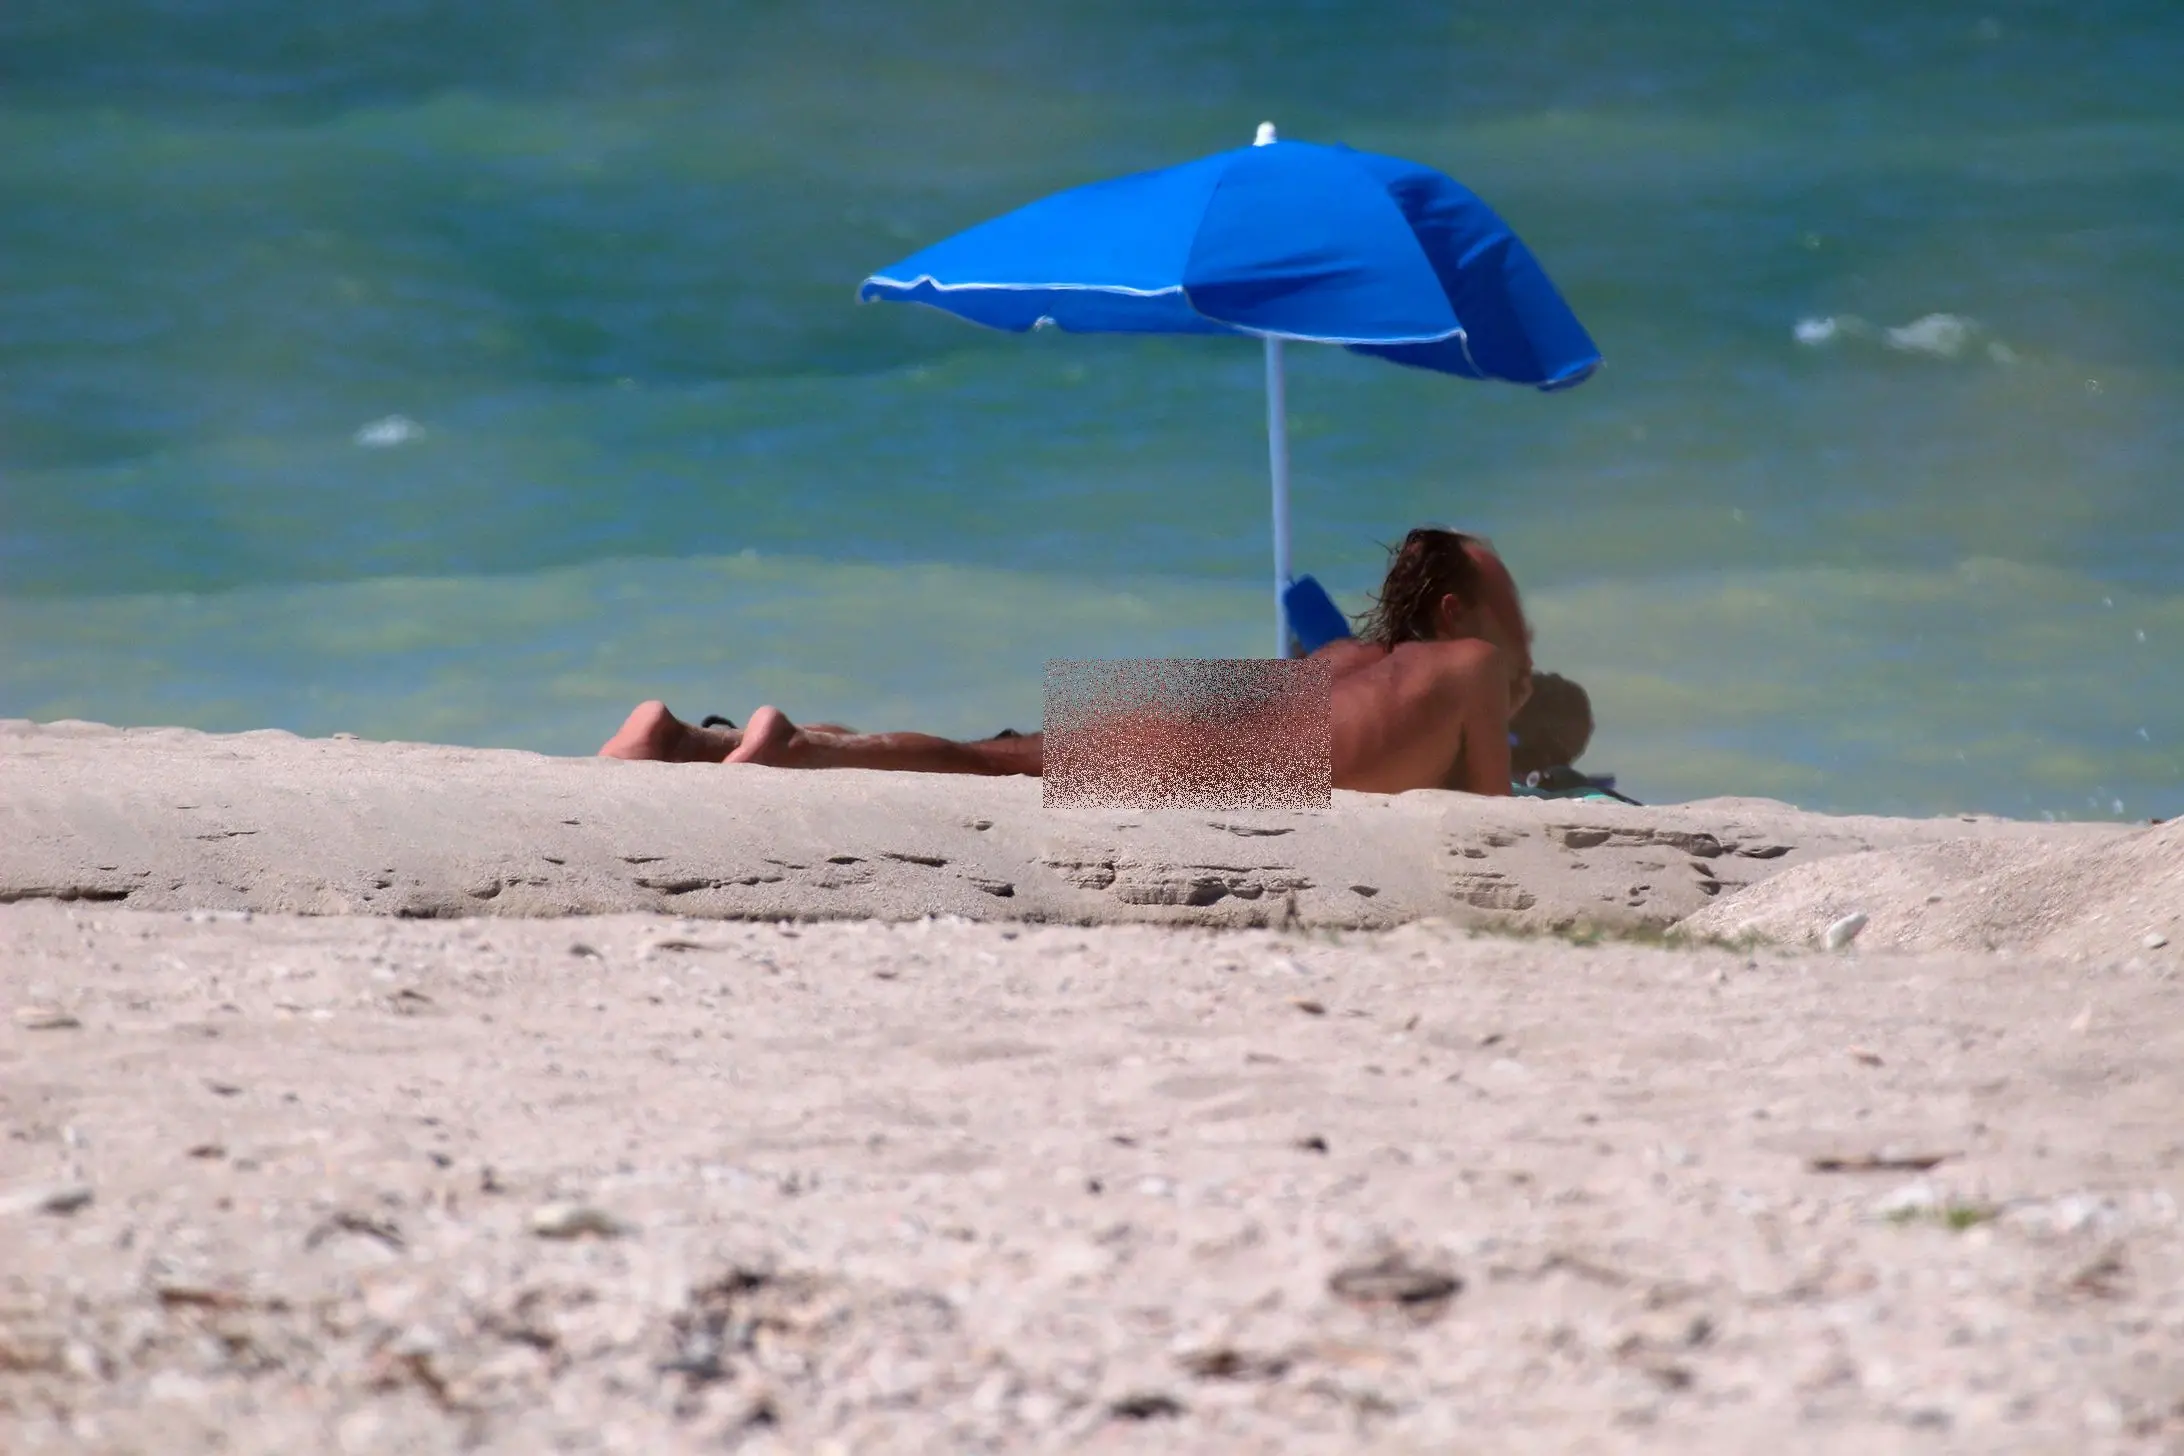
471, 371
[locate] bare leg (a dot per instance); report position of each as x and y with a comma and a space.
772, 739
651, 732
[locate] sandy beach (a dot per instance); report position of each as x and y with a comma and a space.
378, 1097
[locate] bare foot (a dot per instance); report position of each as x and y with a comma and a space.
652, 733
770, 738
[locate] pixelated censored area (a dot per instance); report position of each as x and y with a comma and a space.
1188, 733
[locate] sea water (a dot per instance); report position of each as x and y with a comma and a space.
469, 372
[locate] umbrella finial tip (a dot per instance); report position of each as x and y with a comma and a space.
1266, 134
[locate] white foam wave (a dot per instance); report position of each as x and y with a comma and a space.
1935, 335
382, 434
1942, 335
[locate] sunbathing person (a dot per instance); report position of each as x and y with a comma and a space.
1551, 731
1422, 698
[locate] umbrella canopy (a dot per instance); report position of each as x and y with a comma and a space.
1280, 241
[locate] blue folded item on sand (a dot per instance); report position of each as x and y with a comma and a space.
1565, 782
1314, 619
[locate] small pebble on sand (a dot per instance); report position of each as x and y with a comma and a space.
1906, 1202
2154, 940
1845, 930
62, 1198
44, 1018
574, 1220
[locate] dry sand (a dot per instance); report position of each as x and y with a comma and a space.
1397, 1169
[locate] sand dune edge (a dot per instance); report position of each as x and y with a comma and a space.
168, 819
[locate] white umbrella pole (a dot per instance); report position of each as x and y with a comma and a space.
1277, 457
1277, 460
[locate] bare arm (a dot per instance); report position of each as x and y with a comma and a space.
1482, 762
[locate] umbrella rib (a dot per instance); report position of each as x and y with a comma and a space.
926, 278
1464, 339
1455, 333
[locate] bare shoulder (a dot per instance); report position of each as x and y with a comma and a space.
1346, 655
1464, 658
1415, 676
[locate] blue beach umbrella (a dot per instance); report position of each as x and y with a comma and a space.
1279, 241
